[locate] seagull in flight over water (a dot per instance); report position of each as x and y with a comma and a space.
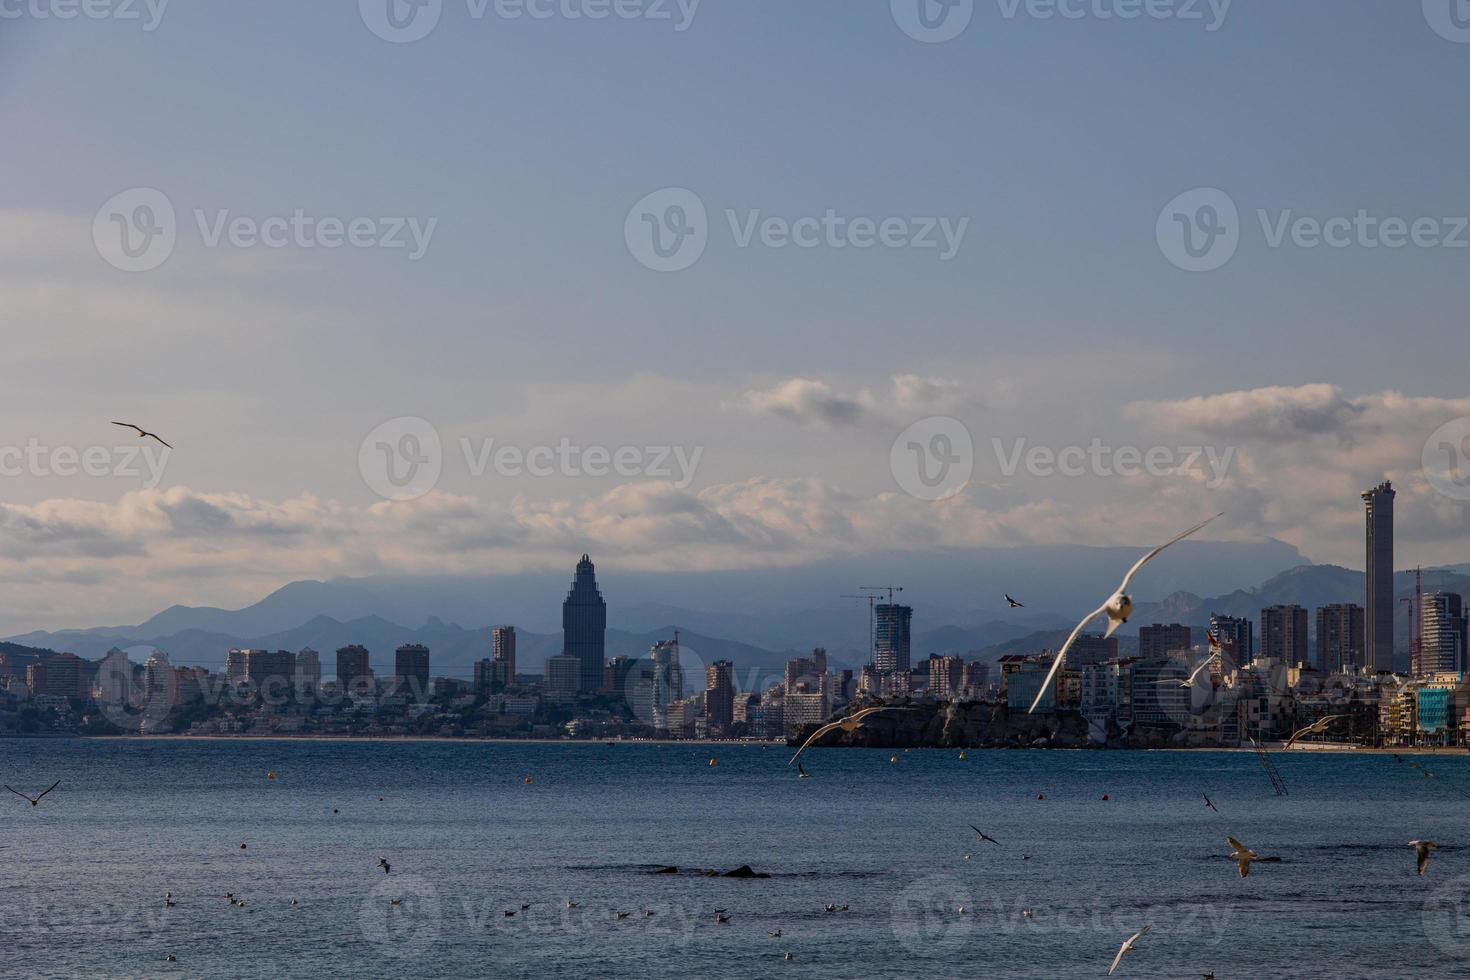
1127, 947
1208, 803
1315, 728
383, 863
37, 799
984, 835
850, 724
1243, 855
1118, 608
143, 433
1013, 604
1422, 849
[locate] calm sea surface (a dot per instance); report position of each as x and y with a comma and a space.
84, 874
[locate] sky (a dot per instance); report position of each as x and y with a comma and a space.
1061, 232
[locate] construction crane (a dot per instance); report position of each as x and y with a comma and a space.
890, 589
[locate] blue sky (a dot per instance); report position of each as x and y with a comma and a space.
527, 319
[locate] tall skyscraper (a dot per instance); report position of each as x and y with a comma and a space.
235, 666
1284, 634
411, 669
1378, 618
1158, 641
1340, 638
891, 637
353, 670
503, 650
1092, 648
270, 670
1444, 634
308, 670
584, 626
1237, 638
667, 680
719, 696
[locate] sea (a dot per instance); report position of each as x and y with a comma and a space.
1092, 846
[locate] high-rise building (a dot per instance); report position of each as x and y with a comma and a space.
668, 679
235, 670
1092, 648
1284, 634
1444, 634
270, 670
160, 681
353, 670
563, 674
584, 626
1158, 641
57, 676
719, 696
946, 676
308, 670
411, 669
1340, 638
484, 676
891, 629
805, 673
1237, 638
503, 649
1378, 616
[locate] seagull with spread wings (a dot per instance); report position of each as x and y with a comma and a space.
1209, 803
851, 724
143, 433
1128, 946
984, 835
1013, 604
1117, 609
1315, 728
37, 799
1422, 849
1243, 855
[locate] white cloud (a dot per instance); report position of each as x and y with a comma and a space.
812, 402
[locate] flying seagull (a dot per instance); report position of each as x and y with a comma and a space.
1243, 855
1126, 948
1208, 803
1013, 604
36, 800
850, 724
984, 835
801, 772
383, 863
1117, 609
1315, 728
142, 433
1422, 849
1190, 681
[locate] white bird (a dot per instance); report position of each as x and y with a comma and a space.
850, 724
1127, 947
1422, 848
1243, 855
1315, 728
142, 433
1192, 677
1118, 608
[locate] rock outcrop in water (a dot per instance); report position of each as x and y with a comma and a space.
979, 725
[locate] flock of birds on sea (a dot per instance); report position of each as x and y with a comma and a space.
1117, 609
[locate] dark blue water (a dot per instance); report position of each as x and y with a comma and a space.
85, 872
